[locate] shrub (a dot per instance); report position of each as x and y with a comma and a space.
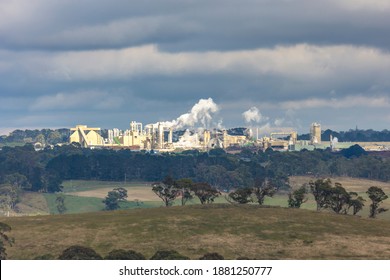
77, 252
120, 254
45, 257
168, 255
212, 256
243, 258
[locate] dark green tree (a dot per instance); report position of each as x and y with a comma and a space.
297, 197
52, 182
122, 193
339, 199
77, 252
166, 190
241, 196
185, 185
168, 255
205, 192
212, 256
120, 254
18, 180
262, 188
114, 197
4, 240
377, 196
60, 203
356, 203
321, 190
45, 257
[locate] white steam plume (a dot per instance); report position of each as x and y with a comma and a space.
252, 115
200, 114
187, 140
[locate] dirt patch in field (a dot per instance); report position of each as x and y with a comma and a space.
141, 193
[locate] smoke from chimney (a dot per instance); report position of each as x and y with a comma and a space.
200, 114
252, 115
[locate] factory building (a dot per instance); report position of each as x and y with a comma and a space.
153, 137
287, 142
86, 136
159, 136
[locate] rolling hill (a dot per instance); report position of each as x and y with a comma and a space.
234, 231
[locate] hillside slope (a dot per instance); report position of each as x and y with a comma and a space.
245, 231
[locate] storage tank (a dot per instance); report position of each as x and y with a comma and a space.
315, 133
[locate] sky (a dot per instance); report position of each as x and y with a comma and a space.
274, 64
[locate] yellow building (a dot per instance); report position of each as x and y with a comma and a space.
86, 136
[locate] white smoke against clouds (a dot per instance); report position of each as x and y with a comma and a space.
252, 115
201, 114
279, 122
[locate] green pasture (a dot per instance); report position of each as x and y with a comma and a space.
78, 204
85, 185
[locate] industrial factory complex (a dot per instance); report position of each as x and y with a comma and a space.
162, 137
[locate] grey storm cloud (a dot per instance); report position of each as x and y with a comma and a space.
104, 63
192, 25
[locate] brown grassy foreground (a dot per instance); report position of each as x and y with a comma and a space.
233, 231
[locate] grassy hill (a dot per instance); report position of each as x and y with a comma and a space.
233, 231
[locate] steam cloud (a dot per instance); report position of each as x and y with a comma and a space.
253, 114
201, 113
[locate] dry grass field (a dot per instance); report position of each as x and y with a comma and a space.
233, 231
135, 190
140, 193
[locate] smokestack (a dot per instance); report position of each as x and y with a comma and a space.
153, 137
257, 133
160, 136
206, 138
170, 135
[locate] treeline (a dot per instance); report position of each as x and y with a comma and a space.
24, 169
44, 136
351, 162
353, 135
215, 167
45, 170
222, 170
